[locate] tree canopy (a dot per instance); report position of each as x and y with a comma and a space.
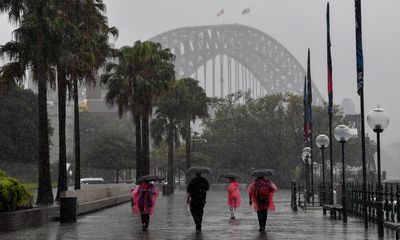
107, 142
18, 126
266, 133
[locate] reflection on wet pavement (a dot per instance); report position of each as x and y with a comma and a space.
172, 221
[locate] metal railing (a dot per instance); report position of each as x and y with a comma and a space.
302, 196
391, 201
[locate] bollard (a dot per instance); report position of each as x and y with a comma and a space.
68, 207
294, 195
167, 190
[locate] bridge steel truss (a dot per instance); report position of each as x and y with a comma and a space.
255, 60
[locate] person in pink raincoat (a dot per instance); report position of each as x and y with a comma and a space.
233, 196
261, 193
144, 198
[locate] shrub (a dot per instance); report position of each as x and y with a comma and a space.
13, 195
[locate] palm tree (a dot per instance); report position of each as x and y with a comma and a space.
167, 127
194, 104
120, 80
176, 108
32, 47
83, 50
159, 73
143, 72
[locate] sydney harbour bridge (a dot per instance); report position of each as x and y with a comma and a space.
232, 57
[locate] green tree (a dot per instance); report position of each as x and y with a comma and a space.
141, 74
266, 133
110, 148
32, 47
18, 126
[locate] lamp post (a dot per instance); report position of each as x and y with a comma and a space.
378, 120
342, 135
322, 142
306, 156
315, 177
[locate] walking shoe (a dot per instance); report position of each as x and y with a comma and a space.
144, 227
261, 230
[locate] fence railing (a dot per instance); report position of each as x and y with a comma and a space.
390, 196
302, 196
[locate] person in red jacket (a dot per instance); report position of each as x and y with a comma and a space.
261, 192
233, 196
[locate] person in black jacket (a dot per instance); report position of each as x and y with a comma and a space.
196, 197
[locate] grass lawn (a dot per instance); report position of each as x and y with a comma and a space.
34, 186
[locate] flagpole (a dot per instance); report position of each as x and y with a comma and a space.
309, 99
360, 89
330, 100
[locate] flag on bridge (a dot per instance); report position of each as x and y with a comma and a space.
220, 13
359, 48
309, 99
246, 11
329, 55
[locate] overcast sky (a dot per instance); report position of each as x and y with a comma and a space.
298, 25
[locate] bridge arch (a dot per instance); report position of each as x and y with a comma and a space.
263, 59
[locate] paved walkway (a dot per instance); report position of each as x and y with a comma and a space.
172, 221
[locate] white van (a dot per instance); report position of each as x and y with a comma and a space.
92, 180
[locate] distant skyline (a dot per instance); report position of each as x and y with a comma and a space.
296, 24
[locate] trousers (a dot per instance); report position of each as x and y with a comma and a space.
197, 210
262, 218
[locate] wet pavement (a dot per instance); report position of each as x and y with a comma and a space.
173, 221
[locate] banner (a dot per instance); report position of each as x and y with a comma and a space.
359, 48
309, 98
329, 55
305, 104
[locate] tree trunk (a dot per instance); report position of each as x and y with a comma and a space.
138, 135
62, 154
170, 177
146, 144
45, 191
188, 145
77, 137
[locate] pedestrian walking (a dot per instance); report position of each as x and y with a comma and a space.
196, 198
233, 196
261, 192
144, 198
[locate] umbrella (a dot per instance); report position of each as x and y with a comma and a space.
229, 175
149, 178
198, 169
265, 172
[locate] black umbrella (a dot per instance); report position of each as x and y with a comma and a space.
229, 175
265, 172
150, 178
199, 169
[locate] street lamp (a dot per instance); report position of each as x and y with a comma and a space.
342, 135
322, 143
378, 120
306, 157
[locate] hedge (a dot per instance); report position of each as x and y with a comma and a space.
13, 195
